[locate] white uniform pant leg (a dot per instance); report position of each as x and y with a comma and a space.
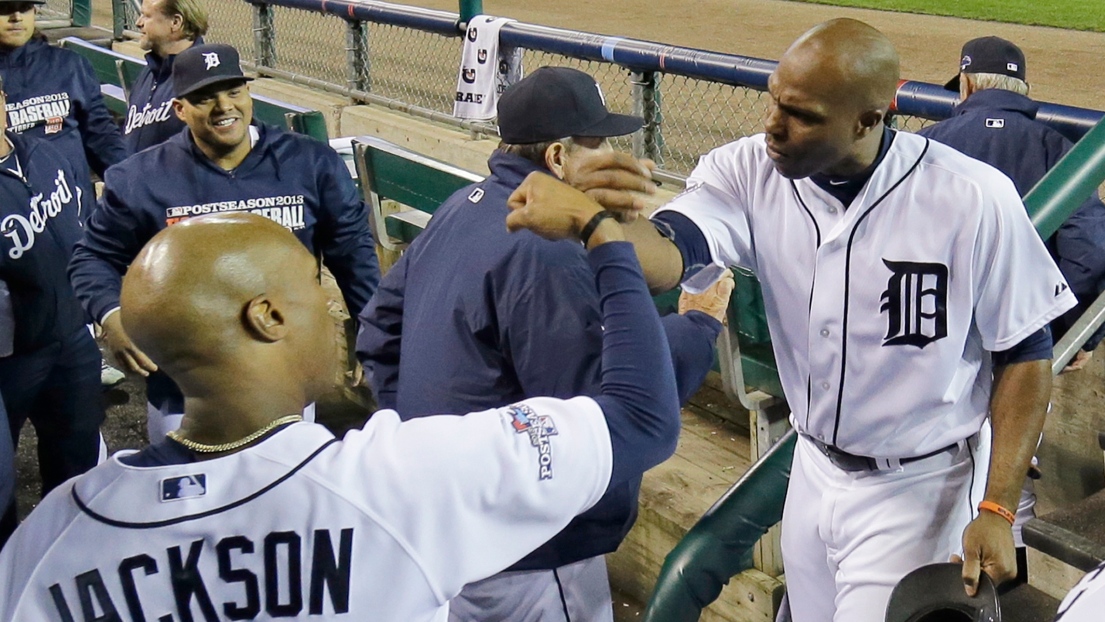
578, 592
159, 422
862, 532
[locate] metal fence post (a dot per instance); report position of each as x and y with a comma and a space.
357, 63
649, 141
470, 9
82, 13
264, 36
118, 18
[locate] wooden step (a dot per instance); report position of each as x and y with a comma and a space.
713, 453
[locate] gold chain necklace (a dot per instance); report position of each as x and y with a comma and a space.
212, 449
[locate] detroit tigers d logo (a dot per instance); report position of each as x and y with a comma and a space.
915, 303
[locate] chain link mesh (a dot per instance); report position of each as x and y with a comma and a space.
231, 23
56, 9
413, 66
691, 116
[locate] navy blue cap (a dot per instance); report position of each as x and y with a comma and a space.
558, 102
204, 65
989, 55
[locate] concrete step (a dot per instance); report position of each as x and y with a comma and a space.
1026, 603
1065, 544
93, 34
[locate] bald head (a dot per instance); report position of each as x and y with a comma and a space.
830, 95
216, 295
855, 60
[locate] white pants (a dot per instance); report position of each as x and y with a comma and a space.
160, 423
578, 592
848, 538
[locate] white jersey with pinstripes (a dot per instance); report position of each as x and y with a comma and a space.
882, 313
386, 525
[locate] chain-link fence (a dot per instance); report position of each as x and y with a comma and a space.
689, 116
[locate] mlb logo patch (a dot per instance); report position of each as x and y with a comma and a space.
476, 195
995, 123
183, 487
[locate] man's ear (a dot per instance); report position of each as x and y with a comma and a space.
177, 23
178, 108
263, 320
554, 159
869, 120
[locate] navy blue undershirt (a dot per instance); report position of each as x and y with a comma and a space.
695, 251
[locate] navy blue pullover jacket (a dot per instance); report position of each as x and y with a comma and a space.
150, 118
474, 317
40, 216
999, 127
295, 180
53, 93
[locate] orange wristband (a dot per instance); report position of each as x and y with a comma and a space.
990, 506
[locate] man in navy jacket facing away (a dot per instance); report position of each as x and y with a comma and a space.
219, 163
168, 28
52, 375
519, 317
995, 122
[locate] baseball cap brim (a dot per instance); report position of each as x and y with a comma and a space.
612, 125
209, 81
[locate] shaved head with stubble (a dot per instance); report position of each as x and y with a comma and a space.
830, 94
230, 306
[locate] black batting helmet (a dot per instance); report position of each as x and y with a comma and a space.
935, 593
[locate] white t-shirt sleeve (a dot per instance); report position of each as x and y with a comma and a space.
1019, 289
468, 496
716, 199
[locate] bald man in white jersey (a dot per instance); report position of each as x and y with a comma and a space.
246, 512
908, 298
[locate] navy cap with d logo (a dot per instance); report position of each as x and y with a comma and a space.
558, 102
204, 65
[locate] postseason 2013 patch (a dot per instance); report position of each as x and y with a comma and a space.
539, 428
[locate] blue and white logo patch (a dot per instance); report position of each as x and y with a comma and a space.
183, 487
539, 428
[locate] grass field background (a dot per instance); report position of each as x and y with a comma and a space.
1074, 14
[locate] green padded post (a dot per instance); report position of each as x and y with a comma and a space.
470, 9
1068, 184
720, 543
82, 13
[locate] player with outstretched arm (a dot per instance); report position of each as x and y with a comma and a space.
248, 512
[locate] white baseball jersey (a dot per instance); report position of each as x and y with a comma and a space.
385, 525
881, 314
1086, 601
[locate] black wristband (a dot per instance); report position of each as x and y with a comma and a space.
589, 228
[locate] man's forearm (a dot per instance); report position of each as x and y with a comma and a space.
660, 259
1017, 409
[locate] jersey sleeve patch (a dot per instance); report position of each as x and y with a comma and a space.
540, 429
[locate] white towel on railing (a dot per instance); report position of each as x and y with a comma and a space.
486, 70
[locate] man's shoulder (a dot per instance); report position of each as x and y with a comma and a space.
163, 157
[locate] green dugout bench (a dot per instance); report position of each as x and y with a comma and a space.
117, 72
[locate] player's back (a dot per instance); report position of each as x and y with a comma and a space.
386, 525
